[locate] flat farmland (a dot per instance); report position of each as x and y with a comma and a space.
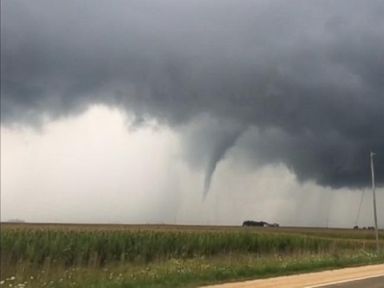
97, 255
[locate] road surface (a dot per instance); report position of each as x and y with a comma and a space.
375, 282
356, 277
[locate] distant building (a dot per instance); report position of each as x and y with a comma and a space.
251, 223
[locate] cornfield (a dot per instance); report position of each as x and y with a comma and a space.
98, 247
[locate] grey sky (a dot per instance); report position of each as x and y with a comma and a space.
96, 168
292, 83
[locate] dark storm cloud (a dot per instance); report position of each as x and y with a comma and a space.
297, 82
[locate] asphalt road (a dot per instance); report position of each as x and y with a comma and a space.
375, 282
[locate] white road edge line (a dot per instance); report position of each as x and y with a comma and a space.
344, 281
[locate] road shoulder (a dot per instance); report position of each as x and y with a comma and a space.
316, 279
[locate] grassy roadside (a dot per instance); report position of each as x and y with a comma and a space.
179, 272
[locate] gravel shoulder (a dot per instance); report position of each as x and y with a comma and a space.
316, 279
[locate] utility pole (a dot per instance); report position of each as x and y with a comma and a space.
374, 202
